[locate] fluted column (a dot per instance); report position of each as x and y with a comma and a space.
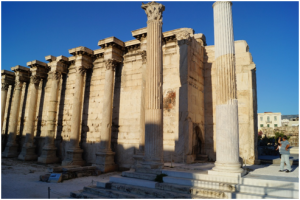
227, 129
153, 103
83, 61
4, 88
22, 75
7, 78
105, 156
39, 71
58, 67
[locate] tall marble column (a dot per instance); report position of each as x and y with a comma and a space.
83, 61
227, 129
7, 78
153, 103
22, 75
38, 70
57, 68
105, 156
113, 52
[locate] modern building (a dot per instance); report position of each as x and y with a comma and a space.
269, 119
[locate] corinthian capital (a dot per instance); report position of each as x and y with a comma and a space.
35, 79
55, 75
153, 10
111, 64
183, 37
4, 86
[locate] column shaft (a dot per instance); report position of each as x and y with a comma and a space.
76, 108
3, 103
107, 111
11, 146
227, 129
49, 150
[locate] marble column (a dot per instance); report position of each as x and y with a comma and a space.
105, 156
83, 61
7, 78
38, 71
57, 68
22, 75
153, 104
227, 129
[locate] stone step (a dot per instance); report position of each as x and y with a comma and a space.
197, 187
148, 171
144, 176
132, 181
85, 195
188, 186
110, 193
253, 196
157, 193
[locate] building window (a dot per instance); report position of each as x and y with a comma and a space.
268, 118
261, 125
268, 125
275, 125
275, 118
261, 118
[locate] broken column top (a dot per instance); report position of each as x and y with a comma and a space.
36, 63
200, 36
81, 50
218, 2
111, 40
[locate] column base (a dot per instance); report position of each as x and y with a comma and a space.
48, 156
11, 151
105, 161
139, 158
74, 157
28, 153
225, 169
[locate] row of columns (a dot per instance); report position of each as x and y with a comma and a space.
79, 63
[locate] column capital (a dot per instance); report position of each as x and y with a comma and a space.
7, 78
183, 37
22, 74
59, 64
222, 2
113, 48
111, 64
38, 70
154, 11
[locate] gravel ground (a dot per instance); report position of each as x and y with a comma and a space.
20, 179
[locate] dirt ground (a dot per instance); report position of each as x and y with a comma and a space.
20, 179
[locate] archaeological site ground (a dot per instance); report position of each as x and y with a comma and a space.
177, 117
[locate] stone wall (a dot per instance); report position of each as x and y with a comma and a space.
292, 131
246, 93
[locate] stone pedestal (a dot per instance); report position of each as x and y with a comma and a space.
83, 61
153, 99
227, 129
38, 71
22, 75
105, 161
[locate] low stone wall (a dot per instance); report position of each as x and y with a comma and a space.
292, 131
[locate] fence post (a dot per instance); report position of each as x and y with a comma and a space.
48, 192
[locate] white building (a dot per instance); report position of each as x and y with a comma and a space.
269, 119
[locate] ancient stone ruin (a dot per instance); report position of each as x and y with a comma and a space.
137, 103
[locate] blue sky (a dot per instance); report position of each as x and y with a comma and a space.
33, 30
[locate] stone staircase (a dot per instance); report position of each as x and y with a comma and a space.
187, 184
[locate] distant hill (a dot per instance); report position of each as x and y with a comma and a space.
288, 116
